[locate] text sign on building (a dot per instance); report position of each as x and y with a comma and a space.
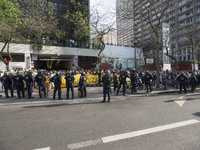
149, 61
141, 62
34, 57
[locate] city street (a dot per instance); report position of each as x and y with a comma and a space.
168, 121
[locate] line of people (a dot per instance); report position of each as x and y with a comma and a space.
11, 81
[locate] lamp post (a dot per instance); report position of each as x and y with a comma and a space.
135, 43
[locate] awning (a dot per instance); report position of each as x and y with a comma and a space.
55, 59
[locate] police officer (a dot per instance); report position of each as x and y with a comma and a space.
29, 83
115, 82
41, 79
19, 84
57, 85
106, 79
182, 82
133, 81
147, 80
193, 82
12, 84
82, 84
69, 84
122, 79
7, 82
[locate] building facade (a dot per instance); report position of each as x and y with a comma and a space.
181, 17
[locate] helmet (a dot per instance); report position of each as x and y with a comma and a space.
11, 73
5, 73
57, 72
29, 71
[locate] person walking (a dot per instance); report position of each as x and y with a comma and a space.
69, 84
7, 83
106, 79
57, 85
29, 83
82, 84
41, 79
19, 84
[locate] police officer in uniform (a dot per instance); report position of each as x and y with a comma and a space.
133, 81
29, 83
82, 84
115, 82
147, 80
57, 85
106, 79
7, 82
122, 80
69, 84
193, 82
182, 82
41, 79
12, 84
19, 84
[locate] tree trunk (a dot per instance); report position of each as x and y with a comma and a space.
7, 66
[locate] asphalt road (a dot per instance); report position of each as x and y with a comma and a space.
155, 122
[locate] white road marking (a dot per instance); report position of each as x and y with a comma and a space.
46, 148
180, 102
131, 134
84, 144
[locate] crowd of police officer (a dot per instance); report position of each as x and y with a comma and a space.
11, 82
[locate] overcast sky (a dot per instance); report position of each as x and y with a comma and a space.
104, 3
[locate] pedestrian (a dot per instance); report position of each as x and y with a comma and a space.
106, 79
29, 83
69, 84
193, 82
133, 81
57, 85
122, 79
19, 84
41, 79
7, 82
147, 80
182, 82
82, 85
115, 82
164, 80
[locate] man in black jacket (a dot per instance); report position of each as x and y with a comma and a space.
57, 85
7, 82
82, 84
106, 79
19, 84
41, 79
69, 84
29, 83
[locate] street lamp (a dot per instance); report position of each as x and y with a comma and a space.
135, 43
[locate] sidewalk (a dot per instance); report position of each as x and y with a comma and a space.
93, 93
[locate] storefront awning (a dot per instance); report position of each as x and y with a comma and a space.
55, 59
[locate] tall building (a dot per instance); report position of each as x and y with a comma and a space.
181, 17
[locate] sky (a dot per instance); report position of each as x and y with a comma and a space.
106, 7
104, 3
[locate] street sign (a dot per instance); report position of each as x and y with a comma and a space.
34, 57
141, 62
149, 60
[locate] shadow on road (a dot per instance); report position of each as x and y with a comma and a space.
197, 114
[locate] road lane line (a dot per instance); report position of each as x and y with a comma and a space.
84, 144
131, 134
147, 131
46, 148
